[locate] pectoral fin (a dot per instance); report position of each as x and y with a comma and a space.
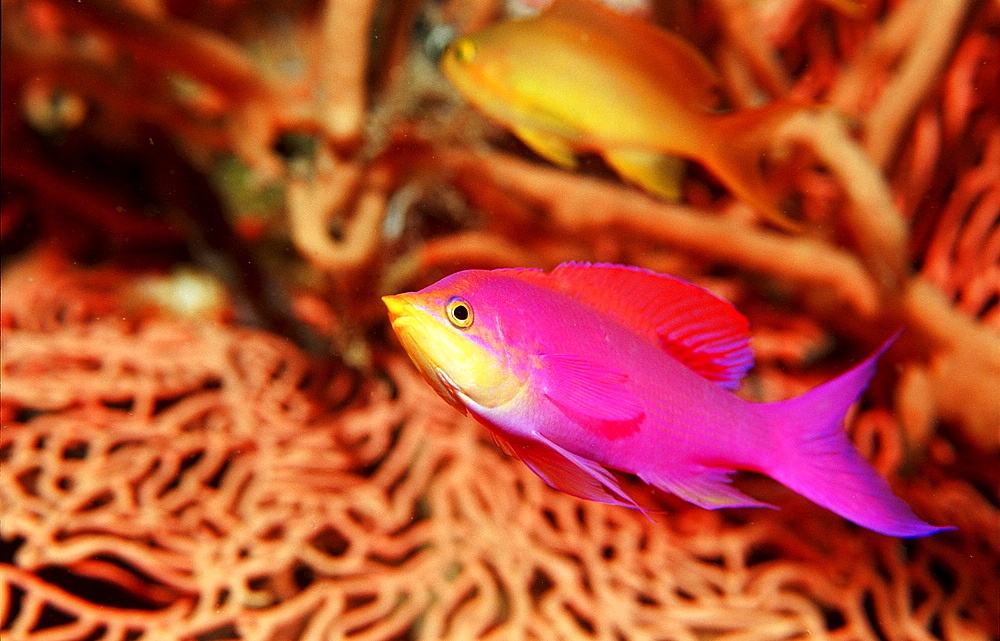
552, 147
655, 172
707, 487
592, 396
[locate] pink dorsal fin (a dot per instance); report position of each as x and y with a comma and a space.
690, 323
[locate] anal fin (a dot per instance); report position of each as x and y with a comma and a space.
707, 487
552, 147
565, 471
658, 173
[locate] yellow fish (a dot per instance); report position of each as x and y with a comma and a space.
581, 77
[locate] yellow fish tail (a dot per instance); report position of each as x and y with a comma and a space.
739, 157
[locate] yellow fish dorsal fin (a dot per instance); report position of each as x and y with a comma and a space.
656, 172
696, 81
552, 147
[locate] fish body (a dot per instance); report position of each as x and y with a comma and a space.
596, 367
581, 77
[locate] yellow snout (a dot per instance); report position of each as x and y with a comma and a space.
458, 364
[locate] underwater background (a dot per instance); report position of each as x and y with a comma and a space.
208, 431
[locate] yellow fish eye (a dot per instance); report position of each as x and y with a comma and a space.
459, 312
463, 50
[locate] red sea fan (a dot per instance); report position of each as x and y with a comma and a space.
169, 480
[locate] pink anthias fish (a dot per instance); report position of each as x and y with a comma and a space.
591, 367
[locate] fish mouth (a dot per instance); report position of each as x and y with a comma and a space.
410, 325
398, 307
407, 322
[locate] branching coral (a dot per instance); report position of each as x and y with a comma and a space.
166, 479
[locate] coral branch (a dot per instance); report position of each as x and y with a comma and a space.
174, 46
965, 366
87, 615
880, 52
915, 77
876, 223
311, 207
589, 205
744, 30
346, 33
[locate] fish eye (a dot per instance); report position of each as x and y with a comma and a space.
463, 50
459, 312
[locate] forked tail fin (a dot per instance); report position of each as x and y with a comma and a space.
742, 142
818, 460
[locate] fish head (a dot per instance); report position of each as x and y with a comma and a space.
527, 73
455, 337
497, 70
473, 68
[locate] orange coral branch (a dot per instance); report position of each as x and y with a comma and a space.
346, 28
877, 225
586, 204
915, 77
744, 30
965, 363
964, 244
170, 45
88, 616
312, 206
923, 33
880, 52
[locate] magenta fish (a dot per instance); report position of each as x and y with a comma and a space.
595, 367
